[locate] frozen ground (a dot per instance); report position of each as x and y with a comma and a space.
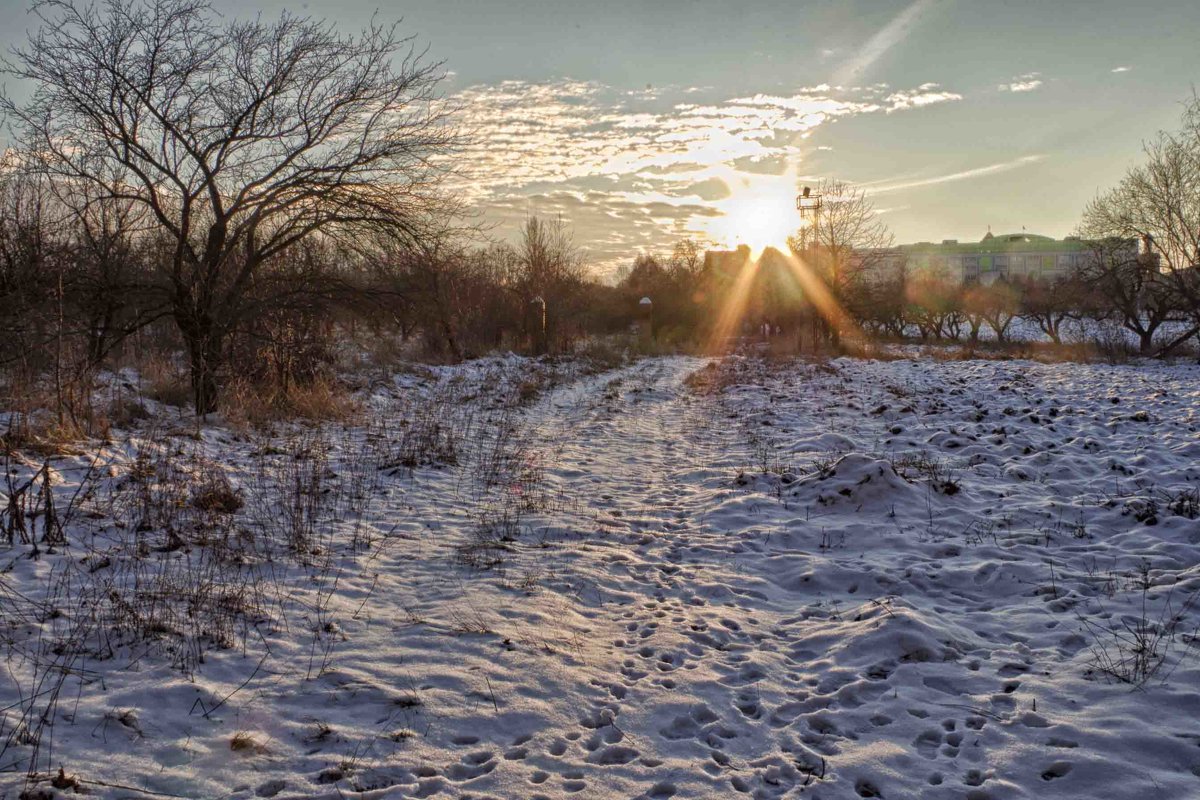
855, 579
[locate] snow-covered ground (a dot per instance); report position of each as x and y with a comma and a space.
837, 580
1108, 333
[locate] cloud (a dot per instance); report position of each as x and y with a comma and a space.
891, 34
926, 94
710, 189
977, 172
1023, 83
635, 171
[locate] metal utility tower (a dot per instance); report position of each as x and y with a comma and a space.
806, 201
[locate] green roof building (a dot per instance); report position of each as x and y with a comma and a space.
1009, 256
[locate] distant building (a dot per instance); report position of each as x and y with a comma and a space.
995, 257
1008, 256
727, 263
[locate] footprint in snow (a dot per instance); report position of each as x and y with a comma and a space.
472, 766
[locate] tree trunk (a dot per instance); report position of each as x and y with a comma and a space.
1145, 342
204, 361
1055, 333
204, 380
1177, 342
451, 339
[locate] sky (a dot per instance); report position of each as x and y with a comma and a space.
640, 123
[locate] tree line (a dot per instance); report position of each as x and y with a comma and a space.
245, 193
249, 195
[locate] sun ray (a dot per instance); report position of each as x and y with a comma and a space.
819, 296
733, 310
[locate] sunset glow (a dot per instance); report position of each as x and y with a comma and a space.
760, 212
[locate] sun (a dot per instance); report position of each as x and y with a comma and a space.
760, 212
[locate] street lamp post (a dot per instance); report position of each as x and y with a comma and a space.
646, 312
537, 308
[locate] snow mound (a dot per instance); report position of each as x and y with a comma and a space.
858, 480
891, 633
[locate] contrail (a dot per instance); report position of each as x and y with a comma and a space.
960, 176
887, 37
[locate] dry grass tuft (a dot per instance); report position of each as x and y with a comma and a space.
165, 381
40, 435
249, 405
244, 743
216, 496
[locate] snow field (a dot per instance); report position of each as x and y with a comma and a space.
838, 580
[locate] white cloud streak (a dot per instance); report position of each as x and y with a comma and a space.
977, 172
890, 35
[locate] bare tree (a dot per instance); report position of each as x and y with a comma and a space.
997, 305
438, 282
108, 278
934, 302
240, 139
1051, 304
1128, 287
26, 268
687, 260
674, 285
845, 240
551, 268
1159, 202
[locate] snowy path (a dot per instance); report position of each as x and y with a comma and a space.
723, 672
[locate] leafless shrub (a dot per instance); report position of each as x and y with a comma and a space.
45, 663
933, 470
766, 457
292, 502
469, 620
1182, 502
259, 405
163, 379
173, 559
213, 494
37, 432
29, 515
1136, 648
823, 465
502, 461
244, 742
1112, 345
172, 497
604, 353
979, 532
712, 378
429, 431
528, 391
491, 539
